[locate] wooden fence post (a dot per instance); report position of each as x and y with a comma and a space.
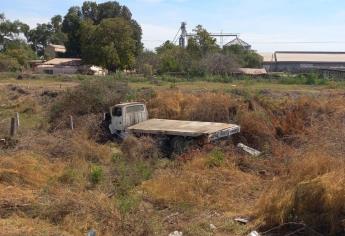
17, 118
13, 126
71, 122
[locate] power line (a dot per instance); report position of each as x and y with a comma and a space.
175, 38
262, 42
306, 42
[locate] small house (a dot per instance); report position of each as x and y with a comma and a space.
58, 66
54, 50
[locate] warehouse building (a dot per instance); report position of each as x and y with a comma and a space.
301, 61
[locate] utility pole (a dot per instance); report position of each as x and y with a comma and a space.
182, 39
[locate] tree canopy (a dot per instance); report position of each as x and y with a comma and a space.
11, 29
45, 34
109, 44
201, 56
104, 34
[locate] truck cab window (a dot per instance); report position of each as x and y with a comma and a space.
117, 111
136, 108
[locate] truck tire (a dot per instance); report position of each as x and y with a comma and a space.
105, 134
179, 145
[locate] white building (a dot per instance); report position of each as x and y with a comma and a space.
69, 66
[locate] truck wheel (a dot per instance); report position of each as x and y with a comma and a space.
179, 145
104, 134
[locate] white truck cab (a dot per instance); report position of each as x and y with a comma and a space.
125, 115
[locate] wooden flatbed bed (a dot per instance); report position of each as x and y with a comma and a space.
211, 130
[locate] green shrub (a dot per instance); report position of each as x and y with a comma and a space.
130, 173
147, 70
8, 64
215, 158
69, 176
310, 81
127, 204
96, 174
92, 96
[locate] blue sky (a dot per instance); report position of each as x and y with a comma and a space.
268, 25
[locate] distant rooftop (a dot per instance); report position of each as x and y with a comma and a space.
304, 56
63, 62
238, 41
58, 48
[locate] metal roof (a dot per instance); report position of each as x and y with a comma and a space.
58, 48
63, 62
237, 41
303, 56
252, 71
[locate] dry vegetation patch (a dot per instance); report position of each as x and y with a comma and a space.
209, 181
312, 191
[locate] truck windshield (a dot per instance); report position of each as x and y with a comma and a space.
117, 111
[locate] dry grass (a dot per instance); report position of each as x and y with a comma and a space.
174, 104
311, 191
19, 226
207, 182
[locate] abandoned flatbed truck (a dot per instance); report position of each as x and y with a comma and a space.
132, 118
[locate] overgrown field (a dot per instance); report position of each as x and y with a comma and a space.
58, 181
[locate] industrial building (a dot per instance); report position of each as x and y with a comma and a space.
302, 61
238, 42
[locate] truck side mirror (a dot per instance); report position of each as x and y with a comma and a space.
107, 116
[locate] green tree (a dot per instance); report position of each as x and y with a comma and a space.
109, 44
244, 57
58, 37
40, 37
90, 11
107, 10
79, 20
173, 58
71, 27
218, 64
20, 51
47, 33
145, 60
11, 29
202, 43
15, 55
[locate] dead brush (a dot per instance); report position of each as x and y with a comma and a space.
170, 105
311, 191
212, 107
217, 186
140, 148
26, 169
19, 225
